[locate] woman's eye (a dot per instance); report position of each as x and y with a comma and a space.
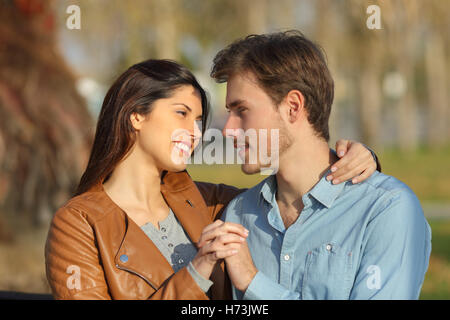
183, 113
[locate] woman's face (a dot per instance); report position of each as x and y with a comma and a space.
171, 131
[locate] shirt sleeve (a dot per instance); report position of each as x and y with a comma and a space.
202, 282
264, 288
396, 251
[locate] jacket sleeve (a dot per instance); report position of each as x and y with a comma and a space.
72, 260
217, 196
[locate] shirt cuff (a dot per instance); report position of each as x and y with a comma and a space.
203, 283
264, 288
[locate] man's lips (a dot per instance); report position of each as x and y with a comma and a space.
240, 146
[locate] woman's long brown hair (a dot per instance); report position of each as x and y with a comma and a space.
133, 92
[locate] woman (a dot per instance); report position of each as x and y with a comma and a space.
131, 230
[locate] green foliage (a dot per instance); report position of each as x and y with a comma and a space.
426, 171
437, 278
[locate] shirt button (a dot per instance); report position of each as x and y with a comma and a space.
163, 229
286, 257
123, 258
170, 245
329, 246
180, 261
164, 237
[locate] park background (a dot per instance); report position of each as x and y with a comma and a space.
391, 93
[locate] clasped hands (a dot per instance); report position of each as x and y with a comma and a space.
225, 240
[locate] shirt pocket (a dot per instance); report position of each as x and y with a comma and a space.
327, 273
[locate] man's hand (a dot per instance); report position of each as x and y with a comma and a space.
240, 268
356, 163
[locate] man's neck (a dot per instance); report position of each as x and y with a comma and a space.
300, 168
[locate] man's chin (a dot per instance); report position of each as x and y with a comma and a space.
250, 168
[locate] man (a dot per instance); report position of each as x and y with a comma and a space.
310, 237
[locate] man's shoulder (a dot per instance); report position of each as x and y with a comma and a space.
388, 186
391, 194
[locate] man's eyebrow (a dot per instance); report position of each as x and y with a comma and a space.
234, 103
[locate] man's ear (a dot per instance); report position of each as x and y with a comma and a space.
295, 105
137, 120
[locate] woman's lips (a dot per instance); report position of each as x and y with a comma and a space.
185, 147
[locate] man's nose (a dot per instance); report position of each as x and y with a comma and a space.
231, 127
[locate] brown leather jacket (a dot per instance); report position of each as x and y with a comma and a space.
90, 233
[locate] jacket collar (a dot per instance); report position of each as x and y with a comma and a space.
136, 253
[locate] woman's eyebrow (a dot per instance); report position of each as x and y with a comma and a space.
182, 104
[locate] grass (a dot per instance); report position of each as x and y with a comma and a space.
437, 278
425, 171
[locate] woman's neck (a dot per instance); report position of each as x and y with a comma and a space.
134, 186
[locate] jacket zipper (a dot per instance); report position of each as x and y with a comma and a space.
137, 274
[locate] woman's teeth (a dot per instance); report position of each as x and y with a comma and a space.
182, 146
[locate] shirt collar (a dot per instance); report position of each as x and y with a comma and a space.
268, 189
325, 192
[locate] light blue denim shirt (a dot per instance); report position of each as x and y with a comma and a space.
364, 241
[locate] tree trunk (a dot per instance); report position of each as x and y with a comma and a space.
166, 43
45, 127
437, 88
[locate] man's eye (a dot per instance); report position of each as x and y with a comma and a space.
241, 110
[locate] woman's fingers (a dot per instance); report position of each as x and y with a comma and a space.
225, 251
350, 174
223, 238
213, 225
363, 176
221, 242
356, 160
222, 229
342, 147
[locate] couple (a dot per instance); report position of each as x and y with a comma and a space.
327, 225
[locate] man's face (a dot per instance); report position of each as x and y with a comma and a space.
254, 123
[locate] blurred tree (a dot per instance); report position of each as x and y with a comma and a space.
363, 50
45, 128
165, 17
400, 24
437, 71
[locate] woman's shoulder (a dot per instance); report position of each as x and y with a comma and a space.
91, 205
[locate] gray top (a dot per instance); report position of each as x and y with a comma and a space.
175, 245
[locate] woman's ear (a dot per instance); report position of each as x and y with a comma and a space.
137, 120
